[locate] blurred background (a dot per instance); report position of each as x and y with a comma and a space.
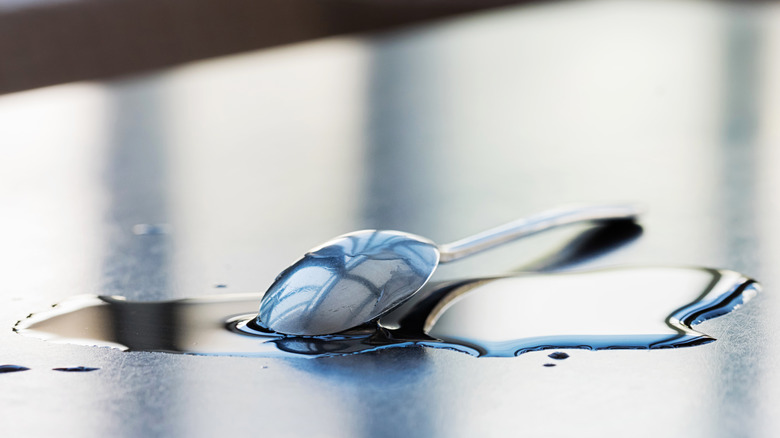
151, 174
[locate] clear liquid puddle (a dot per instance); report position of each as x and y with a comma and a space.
625, 308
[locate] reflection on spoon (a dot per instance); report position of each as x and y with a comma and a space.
358, 277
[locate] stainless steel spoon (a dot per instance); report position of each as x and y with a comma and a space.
360, 276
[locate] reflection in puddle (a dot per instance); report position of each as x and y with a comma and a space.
626, 308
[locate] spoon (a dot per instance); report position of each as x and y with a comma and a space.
360, 276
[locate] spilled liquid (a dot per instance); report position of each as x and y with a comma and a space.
626, 308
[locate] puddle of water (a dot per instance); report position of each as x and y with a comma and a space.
624, 308
639, 308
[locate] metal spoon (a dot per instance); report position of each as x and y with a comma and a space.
360, 276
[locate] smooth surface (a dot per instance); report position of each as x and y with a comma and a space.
672, 105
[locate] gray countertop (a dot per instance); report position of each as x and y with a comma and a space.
247, 161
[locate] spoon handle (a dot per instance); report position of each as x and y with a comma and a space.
534, 224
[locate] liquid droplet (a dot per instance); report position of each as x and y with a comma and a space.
549, 365
79, 369
558, 355
12, 368
626, 308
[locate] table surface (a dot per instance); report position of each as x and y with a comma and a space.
441, 130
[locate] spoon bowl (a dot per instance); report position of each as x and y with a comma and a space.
359, 276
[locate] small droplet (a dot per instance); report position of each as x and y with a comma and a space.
12, 368
548, 365
220, 286
558, 355
79, 369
